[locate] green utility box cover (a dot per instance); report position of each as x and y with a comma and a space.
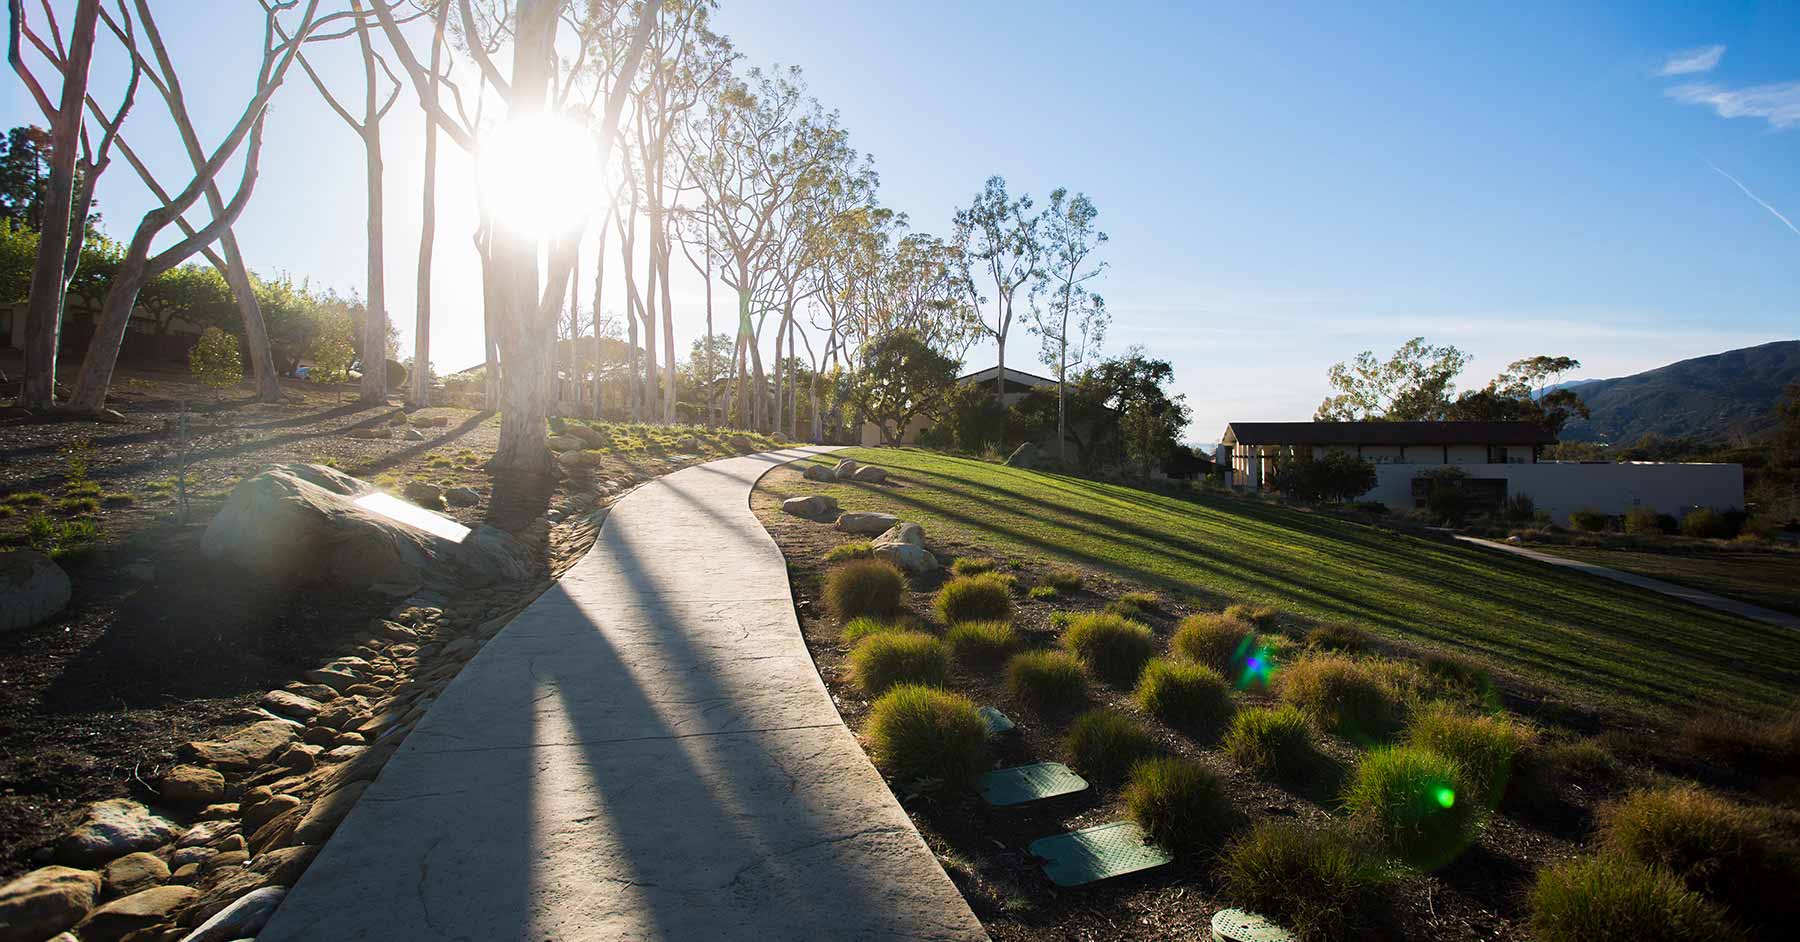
1096, 853
1023, 783
997, 722
1236, 925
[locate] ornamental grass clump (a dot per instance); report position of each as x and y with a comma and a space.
1271, 741
1415, 804
1322, 884
1066, 581
1487, 747
1614, 899
1112, 646
883, 660
1338, 636
845, 551
1348, 697
1724, 851
972, 565
1103, 745
986, 597
1214, 640
857, 629
1261, 617
1190, 697
931, 739
1180, 804
982, 645
864, 587
1046, 681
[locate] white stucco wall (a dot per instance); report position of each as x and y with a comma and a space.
1612, 488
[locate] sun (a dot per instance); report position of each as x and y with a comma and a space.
540, 175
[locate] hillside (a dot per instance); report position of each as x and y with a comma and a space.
1711, 397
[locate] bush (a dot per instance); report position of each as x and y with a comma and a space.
972, 566
845, 551
1270, 741
1043, 593
1135, 604
1721, 850
864, 626
931, 738
1218, 641
1460, 673
1190, 697
77, 505
982, 644
1065, 581
1601, 899
986, 597
864, 587
1322, 883
1334, 477
1259, 616
214, 360
1113, 647
1707, 524
1180, 804
1592, 521
1415, 803
1103, 745
1338, 636
1485, 746
1769, 747
1642, 521
1347, 697
882, 660
1046, 680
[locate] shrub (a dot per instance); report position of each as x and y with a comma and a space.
884, 659
1218, 641
1113, 647
1061, 620
1721, 850
1064, 580
1260, 616
972, 565
1338, 636
1602, 899
1187, 696
1592, 521
931, 738
214, 360
1103, 744
1321, 883
1642, 521
863, 626
864, 587
1708, 525
1043, 593
1415, 803
1460, 673
1771, 746
1046, 680
1485, 746
986, 597
1180, 804
1335, 477
845, 551
1137, 603
82, 489
27, 498
77, 505
1347, 697
1270, 741
982, 644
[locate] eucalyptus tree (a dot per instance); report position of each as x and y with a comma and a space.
1074, 321
138, 265
921, 290
996, 238
421, 374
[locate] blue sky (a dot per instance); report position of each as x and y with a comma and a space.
1283, 186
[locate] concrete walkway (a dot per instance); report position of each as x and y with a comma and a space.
1707, 599
646, 752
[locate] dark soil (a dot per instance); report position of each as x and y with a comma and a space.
1478, 896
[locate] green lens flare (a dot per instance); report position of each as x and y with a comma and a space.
1446, 797
1259, 665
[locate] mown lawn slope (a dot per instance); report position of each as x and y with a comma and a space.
1595, 642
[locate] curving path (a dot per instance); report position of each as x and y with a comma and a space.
646, 752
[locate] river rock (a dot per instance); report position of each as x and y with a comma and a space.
32, 588
588, 435
462, 497
261, 813
564, 443
910, 558
302, 523
869, 474
412, 435
817, 472
289, 704
134, 872
192, 785
578, 459
371, 434
46, 901
866, 523
112, 829
242, 919
134, 912
327, 813
845, 470
815, 507
247, 748
424, 494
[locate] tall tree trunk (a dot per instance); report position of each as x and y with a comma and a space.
599, 296
712, 373
50, 271
490, 303
648, 312
793, 379
256, 332
668, 316
421, 378
780, 392
374, 378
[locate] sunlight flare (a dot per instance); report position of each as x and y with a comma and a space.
541, 175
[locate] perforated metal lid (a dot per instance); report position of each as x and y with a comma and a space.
1236, 925
997, 722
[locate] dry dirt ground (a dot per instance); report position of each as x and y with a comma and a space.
160, 646
1479, 896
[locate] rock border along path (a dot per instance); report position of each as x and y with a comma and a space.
646, 752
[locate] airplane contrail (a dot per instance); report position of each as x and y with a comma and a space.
1772, 210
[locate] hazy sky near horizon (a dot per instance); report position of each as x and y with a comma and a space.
1283, 185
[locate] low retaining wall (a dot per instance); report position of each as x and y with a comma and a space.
1559, 488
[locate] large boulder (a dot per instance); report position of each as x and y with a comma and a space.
869, 474
910, 558
32, 588
134, 873
818, 472
565, 443
816, 507
1024, 456
845, 470
193, 785
137, 911
44, 902
909, 533
242, 919
587, 433
113, 829
246, 749
866, 522
305, 523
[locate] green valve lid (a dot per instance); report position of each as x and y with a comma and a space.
1023, 783
997, 722
1236, 925
1096, 853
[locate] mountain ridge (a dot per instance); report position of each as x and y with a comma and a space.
1717, 396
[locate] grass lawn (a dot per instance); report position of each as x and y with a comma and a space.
1770, 579
1592, 641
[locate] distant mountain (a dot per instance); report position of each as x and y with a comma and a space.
1711, 397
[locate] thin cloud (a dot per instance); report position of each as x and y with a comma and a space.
1778, 104
1691, 61
1772, 210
